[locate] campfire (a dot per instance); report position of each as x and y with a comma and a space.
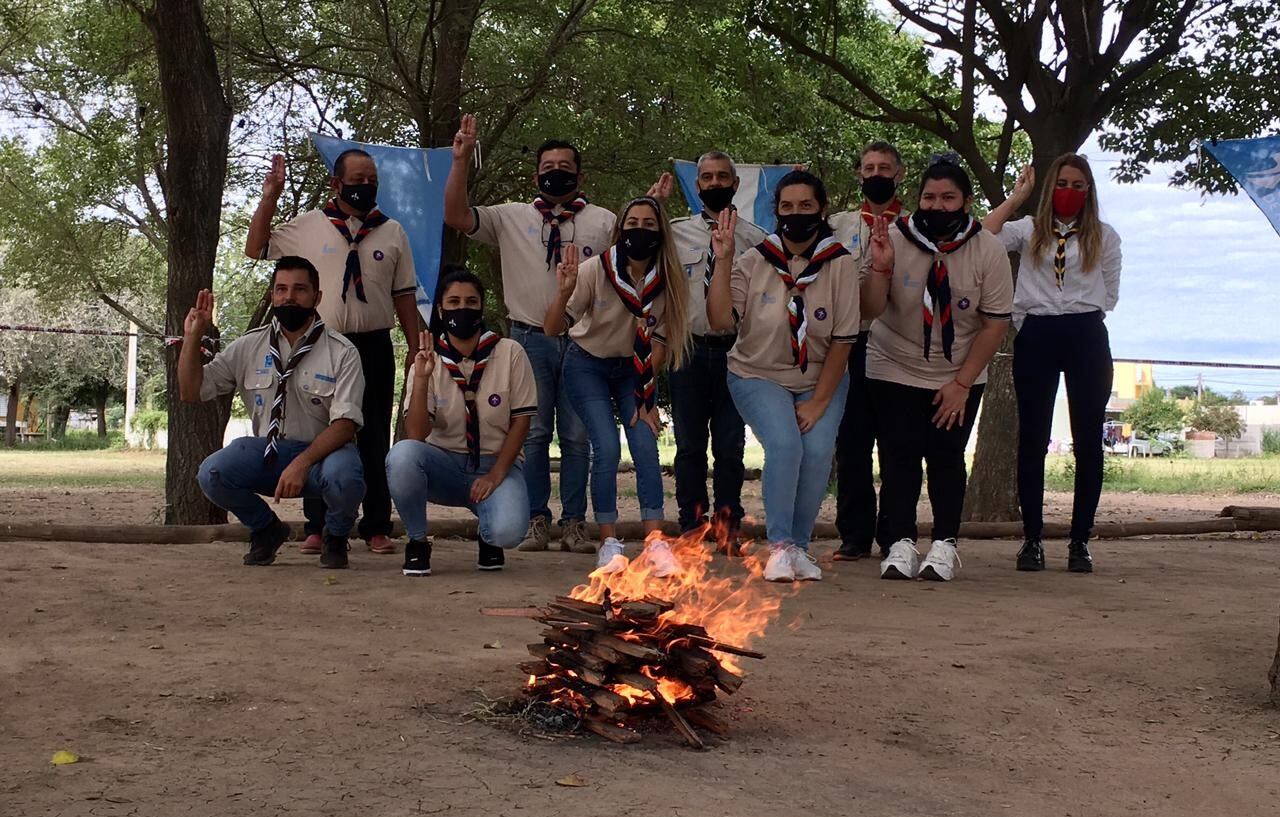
629, 646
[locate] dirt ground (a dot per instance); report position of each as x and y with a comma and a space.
190, 685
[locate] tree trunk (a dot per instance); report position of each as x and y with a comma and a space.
11, 416
198, 121
1274, 675
58, 419
100, 402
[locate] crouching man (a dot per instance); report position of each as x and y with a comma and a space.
303, 385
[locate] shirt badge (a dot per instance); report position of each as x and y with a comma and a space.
651, 321
820, 314
586, 252
495, 400
964, 303
377, 255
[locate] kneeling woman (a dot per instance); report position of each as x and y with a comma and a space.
943, 309
624, 323
470, 398
794, 301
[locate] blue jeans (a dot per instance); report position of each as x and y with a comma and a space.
233, 478
796, 466
418, 473
546, 354
597, 388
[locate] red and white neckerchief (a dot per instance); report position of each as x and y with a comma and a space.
936, 301
469, 386
891, 213
827, 249
555, 219
639, 302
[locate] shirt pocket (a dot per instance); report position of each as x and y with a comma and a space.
693, 262
316, 388
259, 391
964, 305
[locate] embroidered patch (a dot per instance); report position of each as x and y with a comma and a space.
651, 320
820, 314
586, 252
328, 250
257, 400
377, 255
495, 400
326, 378
315, 401
964, 303
688, 270
266, 361
766, 298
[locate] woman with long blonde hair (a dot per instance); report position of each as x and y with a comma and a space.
627, 313
1068, 278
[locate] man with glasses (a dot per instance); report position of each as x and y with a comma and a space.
530, 237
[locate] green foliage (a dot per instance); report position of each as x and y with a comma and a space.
78, 440
1222, 420
148, 423
1271, 441
1154, 413
1177, 475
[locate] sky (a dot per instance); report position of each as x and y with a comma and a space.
1199, 280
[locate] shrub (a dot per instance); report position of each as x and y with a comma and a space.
1271, 441
1221, 420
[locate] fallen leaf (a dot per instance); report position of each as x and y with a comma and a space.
64, 758
573, 780
330, 580
493, 645
957, 665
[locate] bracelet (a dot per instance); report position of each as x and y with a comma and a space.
961, 385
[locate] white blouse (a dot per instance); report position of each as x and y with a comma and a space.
1037, 290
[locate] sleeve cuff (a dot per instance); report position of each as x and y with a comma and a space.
523, 411
996, 316
208, 389
475, 221
396, 293
346, 411
844, 338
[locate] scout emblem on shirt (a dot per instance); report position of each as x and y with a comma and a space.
651, 321
964, 303
586, 252
377, 255
820, 314
495, 400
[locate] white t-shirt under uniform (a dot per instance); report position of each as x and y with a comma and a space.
1037, 293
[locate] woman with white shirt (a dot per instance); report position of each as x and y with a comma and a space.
1068, 279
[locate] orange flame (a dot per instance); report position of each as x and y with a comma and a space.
734, 608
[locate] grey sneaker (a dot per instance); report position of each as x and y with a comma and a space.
539, 535
573, 537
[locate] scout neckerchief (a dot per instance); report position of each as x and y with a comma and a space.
890, 214
639, 304
827, 249
285, 371
937, 289
452, 360
1060, 255
351, 275
570, 210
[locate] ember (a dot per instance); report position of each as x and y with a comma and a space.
628, 644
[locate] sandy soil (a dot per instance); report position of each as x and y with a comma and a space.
192, 686
119, 506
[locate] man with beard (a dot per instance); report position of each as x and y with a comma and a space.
530, 237
302, 384
366, 266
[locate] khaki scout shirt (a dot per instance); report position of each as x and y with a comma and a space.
507, 390
693, 244
855, 234
520, 234
600, 322
386, 265
327, 386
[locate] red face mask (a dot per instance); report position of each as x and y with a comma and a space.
1067, 202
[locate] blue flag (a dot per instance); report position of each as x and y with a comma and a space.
411, 191
754, 198
1255, 164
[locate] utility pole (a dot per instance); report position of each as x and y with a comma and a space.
131, 384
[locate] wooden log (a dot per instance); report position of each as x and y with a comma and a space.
534, 667
682, 726
729, 681
692, 661
698, 716
609, 701
513, 612
720, 646
639, 610
564, 624
604, 652
580, 605
1253, 518
1274, 675
572, 614
561, 638
631, 648
637, 680
662, 604
611, 731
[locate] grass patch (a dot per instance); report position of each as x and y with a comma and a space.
77, 440
35, 468
1174, 475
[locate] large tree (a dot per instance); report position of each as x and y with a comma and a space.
1054, 70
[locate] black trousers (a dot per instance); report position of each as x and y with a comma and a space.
855, 484
906, 435
700, 403
1078, 347
373, 440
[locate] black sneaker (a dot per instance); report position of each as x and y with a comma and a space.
491, 558
1031, 557
264, 543
848, 552
333, 553
417, 558
1078, 558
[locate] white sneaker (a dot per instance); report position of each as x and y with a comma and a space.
941, 563
804, 565
779, 567
610, 558
663, 560
902, 562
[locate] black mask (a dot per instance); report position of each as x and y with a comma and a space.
361, 197
557, 182
292, 316
716, 199
939, 225
639, 243
799, 226
463, 322
878, 189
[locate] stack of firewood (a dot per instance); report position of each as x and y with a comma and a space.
615, 662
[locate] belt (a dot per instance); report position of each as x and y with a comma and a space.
527, 327
716, 341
